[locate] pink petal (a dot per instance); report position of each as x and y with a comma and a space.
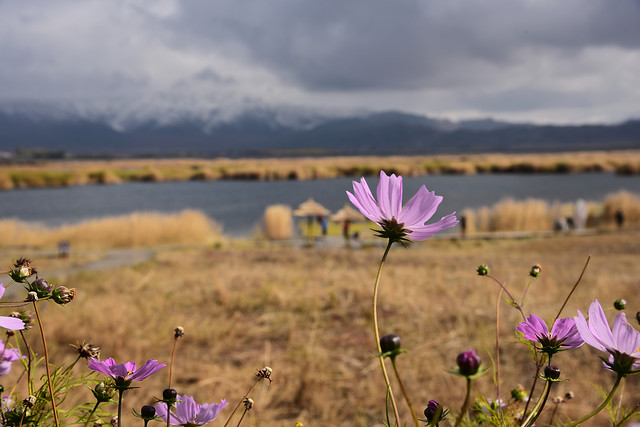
599, 325
585, 332
425, 231
626, 339
11, 323
390, 195
420, 208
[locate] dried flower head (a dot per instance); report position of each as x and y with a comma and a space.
248, 403
265, 373
178, 332
63, 295
22, 270
28, 318
32, 296
88, 351
29, 401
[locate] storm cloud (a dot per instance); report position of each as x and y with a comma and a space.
574, 61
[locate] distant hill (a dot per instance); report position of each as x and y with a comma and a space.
263, 134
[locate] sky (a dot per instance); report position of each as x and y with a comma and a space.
541, 61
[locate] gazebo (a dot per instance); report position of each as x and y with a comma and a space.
311, 209
346, 215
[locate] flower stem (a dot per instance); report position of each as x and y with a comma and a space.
46, 363
498, 346
535, 412
404, 393
513, 300
120, 393
465, 405
173, 354
601, 407
91, 413
572, 289
240, 402
377, 333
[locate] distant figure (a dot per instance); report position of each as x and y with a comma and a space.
619, 218
463, 225
345, 228
580, 214
570, 223
560, 224
323, 224
64, 248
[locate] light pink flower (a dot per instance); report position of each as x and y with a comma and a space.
563, 335
127, 372
189, 413
398, 222
622, 342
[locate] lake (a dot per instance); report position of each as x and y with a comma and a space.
239, 205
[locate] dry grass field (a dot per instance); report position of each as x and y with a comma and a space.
65, 173
306, 313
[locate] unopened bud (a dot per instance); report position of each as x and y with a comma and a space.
169, 395
519, 394
41, 287
430, 411
390, 343
63, 295
551, 372
620, 304
147, 412
535, 270
102, 392
468, 363
482, 270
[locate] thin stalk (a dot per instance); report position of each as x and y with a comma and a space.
91, 414
29, 361
240, 402
46, 363
629, 415
377, 334
498, 346
120, 393
535, 413
169, 404
572, 289
601, 407
515, 303
173, 354
404, 393
241, 417
524, 294
539, 363
465, 405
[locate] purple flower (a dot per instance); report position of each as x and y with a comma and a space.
398, 222
123, 374
189, 413
563, 335
11, 323
7, 357
622, 342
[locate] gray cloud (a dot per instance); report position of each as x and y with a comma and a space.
541, 60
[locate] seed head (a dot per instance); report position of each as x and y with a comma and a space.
265, 373
88, 351
30, 401
178, 332
32, 296
248, 403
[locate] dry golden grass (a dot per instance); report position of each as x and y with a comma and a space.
135, 230
62, 173
277, 223
306, 313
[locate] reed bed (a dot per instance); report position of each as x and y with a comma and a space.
64, 173
277, 223
136, 230
306, 314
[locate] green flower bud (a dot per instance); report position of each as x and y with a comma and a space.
620, 304
103, 393
482, 270
535, 270
62, 295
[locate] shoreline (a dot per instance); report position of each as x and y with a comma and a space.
66, 173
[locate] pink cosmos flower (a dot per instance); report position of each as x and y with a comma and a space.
398, 222
563, 335
622, 342
11, 323
123, 374
189, 413
7, 357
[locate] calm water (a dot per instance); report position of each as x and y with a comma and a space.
239, 205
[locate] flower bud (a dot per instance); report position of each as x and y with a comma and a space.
430, 411
519, 394
32, 296
147, 412
62, 295
30, 401
169, 395
551, 372
390, 343
102, 392
248, 403
41, 287
535, 270
468, 363
482, 270
620, 304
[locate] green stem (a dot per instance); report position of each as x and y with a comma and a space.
377, 333
46, 363
465, 405
120, 393
404, 393
535, 412
601, 407
91, 413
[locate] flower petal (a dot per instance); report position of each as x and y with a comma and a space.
420, 208
583, 328
625, 338
390, 195
425, 231
11, 323
364, 201
599, 325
